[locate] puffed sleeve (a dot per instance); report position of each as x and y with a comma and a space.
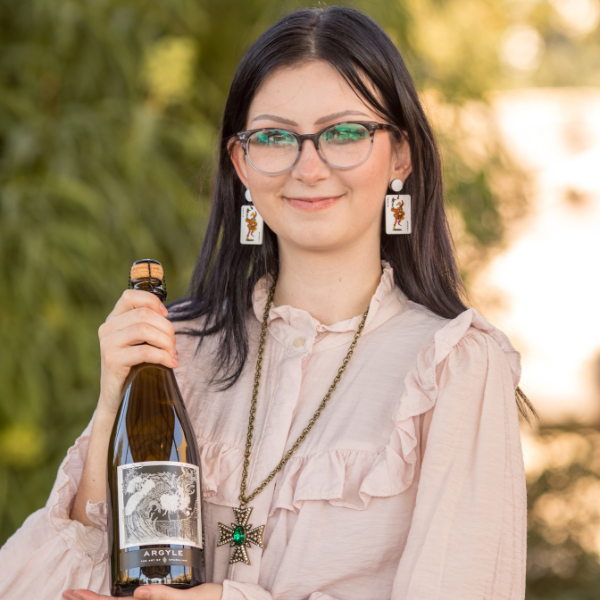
50, 552
468, 534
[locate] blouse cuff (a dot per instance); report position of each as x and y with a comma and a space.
87, 540
96, 513
234, 590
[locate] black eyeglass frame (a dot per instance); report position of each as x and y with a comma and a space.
370, 126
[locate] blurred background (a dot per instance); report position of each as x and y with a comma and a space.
109, 112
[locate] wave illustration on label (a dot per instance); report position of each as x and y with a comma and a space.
159, 504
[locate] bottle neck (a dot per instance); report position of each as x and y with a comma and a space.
152, 285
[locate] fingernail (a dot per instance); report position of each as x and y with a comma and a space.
142, 593
163, 309
175, 362
68, 594
175, 353
76, 595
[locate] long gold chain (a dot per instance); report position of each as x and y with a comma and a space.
263, 334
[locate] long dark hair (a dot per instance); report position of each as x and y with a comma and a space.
423, 262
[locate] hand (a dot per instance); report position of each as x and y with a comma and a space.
136, 331
206, 591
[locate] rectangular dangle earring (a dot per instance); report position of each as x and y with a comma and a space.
251, 225
397, 211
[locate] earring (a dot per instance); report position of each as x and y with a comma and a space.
251, 224
397, 210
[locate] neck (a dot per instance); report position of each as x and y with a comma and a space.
332, 286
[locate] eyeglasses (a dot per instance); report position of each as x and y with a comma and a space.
343, 146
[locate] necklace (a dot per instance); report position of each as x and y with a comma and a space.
240, 536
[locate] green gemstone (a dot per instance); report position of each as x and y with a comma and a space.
239, 535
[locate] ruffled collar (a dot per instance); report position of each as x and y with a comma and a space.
386, 293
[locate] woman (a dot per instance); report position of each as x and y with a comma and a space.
410, 482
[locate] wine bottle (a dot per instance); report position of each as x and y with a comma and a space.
154, 479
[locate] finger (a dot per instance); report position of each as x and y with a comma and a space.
206, 591
158, 592
142, 333
162, 592
136, 355
131, 299
134, 316
82, 595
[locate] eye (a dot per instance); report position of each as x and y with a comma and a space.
346, 133
273, 137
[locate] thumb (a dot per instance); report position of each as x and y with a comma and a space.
160, 592
206, 591
163, 592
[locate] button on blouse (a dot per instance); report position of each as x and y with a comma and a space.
298, 342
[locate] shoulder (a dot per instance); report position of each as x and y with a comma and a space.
467, 337
467, 372
472, 341
457, 353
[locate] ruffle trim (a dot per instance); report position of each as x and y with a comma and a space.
221, 472
421, 390
350, 478
87, 540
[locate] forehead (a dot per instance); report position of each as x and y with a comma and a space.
306, 92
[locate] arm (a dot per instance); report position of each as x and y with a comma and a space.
468, 534
65, 544
136, 331
50, 551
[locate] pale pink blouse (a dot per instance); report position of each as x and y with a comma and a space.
411, 485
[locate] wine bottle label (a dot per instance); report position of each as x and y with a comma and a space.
150, 557
159, 503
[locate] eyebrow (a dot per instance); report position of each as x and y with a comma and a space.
320, 121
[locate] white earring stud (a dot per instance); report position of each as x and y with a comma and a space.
397, 211
248, 196
396, 185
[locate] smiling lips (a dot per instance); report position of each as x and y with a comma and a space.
313, 204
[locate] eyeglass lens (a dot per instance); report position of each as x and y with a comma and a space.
343, 146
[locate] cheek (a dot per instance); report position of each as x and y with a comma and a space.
261, 184
369, 184
266, 192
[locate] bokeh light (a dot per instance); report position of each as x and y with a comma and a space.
522, 47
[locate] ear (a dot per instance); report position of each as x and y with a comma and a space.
401, 159
238, 158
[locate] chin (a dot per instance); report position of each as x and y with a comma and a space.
309, 239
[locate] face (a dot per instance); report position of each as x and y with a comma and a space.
314, 206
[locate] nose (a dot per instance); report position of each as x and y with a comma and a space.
310, 167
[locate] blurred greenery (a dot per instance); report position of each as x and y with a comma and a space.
109, 111
564, 513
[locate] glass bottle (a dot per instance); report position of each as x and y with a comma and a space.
154, 480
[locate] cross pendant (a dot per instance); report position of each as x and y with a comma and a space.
240, 535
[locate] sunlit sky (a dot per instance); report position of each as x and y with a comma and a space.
548, 277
